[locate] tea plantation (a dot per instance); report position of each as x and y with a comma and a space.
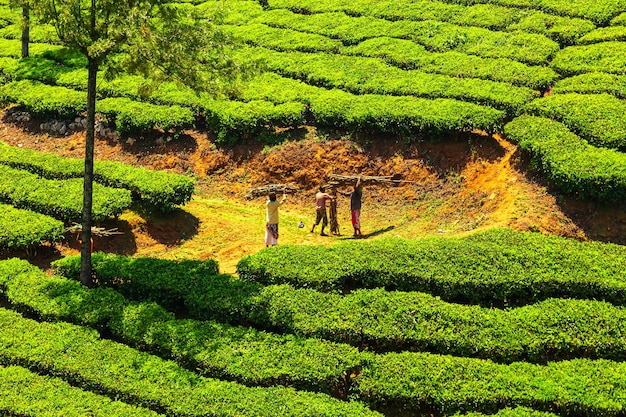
499, 323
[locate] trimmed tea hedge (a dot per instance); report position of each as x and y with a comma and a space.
134, 116
408, 55
593, 83
601, 12
156, 189
43, 100
437, 36
496, 17
283, 39
54, 101
61, 199
25, 393
447, 384
606, 34
607, 57
371, 112
378, 319
619, 20
34, 68
24, 228
512, 412
598, 118
497, 266
388, 382
79, 356
569, 163
402, 115
362, 75
146, 278
242, 354
235, 119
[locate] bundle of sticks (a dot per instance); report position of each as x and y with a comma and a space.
265, 190
95, 231
335, 180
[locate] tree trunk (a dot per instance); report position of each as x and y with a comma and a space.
25, 30
85, 249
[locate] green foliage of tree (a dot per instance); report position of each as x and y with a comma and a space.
158, 38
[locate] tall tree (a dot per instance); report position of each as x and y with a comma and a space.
161, 39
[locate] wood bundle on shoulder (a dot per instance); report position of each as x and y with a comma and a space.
265, 190
96, 231
350, 180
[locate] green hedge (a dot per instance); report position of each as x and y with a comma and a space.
437, 36
242, 354
389, 382
135, 116
402, 115
593, 83
569, 163
598, 118
34, 68
39, 33
496, 17
24, 228
512, 412
377, 113
377, 319
191, 284
564, 30
601, 12
80, 357
497, 266
447, 384
43, 100
605, 34
407, 54
391, 321
233, 120
61, 199
283, 39
146, 278
156, 189
619, 20
363, 75
609, 57
130, 116
24, 393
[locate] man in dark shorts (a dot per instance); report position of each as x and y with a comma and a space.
320, 208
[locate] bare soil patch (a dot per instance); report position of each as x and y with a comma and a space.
470, 182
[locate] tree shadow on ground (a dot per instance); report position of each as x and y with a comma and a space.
41, 256
122, 242
171, 228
